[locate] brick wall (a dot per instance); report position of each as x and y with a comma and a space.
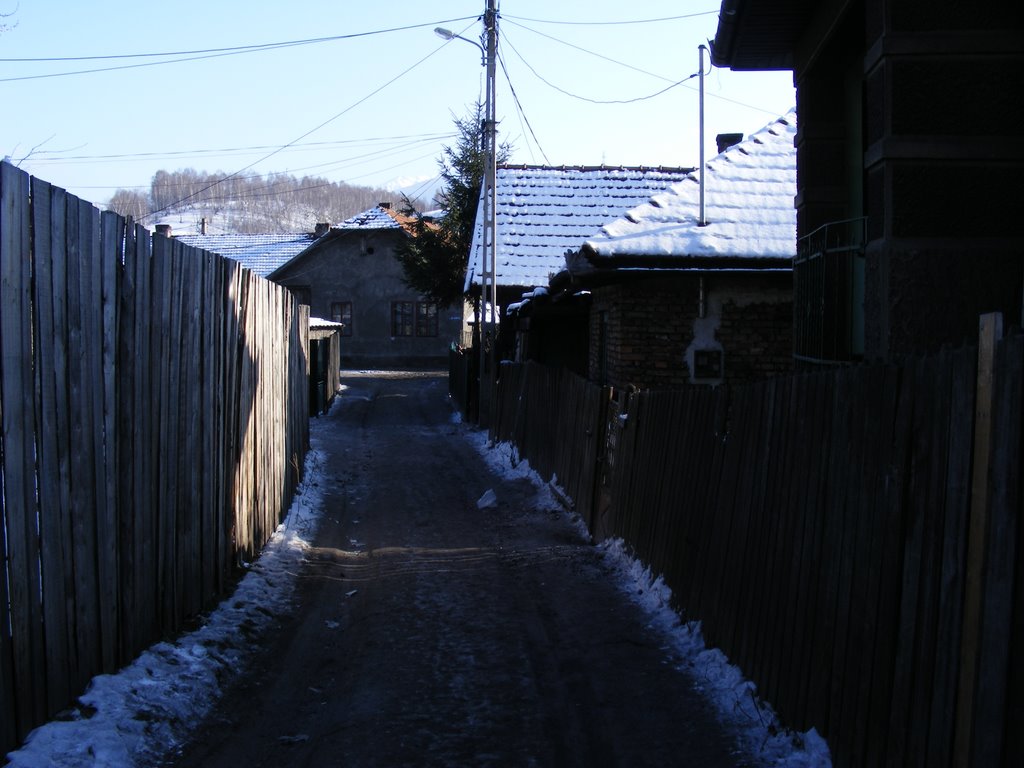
650, 324
757, 339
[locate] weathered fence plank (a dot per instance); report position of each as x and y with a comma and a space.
1001, 568
108, 266
55, 561
18, 417
145, 424
8, 700
1008, 495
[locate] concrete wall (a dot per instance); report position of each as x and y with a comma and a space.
360, 267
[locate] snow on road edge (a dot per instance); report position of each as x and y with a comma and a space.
153, 704
734, 697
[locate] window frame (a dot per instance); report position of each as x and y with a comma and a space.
339, 315
403, 319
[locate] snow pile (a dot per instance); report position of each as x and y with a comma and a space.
733, 696
503, 459
152, 705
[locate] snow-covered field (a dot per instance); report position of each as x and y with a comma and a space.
132, 717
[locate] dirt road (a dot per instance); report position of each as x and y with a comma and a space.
429, 632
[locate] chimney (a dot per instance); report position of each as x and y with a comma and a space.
322, 228
385, 205
202, 226
163, 229
726, 140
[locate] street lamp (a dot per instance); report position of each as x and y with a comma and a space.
447, 34
490, 229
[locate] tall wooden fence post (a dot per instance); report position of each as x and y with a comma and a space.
990, 331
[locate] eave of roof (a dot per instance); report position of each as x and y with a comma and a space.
759, 34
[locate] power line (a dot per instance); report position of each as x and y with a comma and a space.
613, 23
587, 98
595, 54
307, 133
168, 154
196, 55
519, 107
674, 83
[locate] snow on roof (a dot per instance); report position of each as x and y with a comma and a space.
322, 324
544, 211
378, 217
260, 253
749, 192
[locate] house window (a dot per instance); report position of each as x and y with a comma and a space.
414, 318
426, 319
341, 312
403, 318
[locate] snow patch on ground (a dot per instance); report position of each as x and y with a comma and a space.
733, 696
150, 706
503, 459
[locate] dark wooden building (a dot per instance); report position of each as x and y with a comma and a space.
909, 164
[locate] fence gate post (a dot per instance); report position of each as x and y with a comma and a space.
990, 331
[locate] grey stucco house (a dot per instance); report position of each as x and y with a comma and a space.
350, 275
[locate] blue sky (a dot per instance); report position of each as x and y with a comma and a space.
373, 109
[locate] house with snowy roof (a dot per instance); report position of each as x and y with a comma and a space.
350, 275
544, 211
672, 297
261, 253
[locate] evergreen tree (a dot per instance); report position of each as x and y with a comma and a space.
434, 261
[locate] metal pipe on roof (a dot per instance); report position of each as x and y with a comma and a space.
702, 221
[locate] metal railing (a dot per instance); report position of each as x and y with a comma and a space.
828, 301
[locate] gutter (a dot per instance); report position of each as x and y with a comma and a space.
724, 45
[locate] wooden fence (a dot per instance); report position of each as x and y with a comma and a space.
462, 380
840, 536
154, 409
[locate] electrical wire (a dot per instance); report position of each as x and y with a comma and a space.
197, 55
595, 54
310, 145
674, 83
587, 98
307, 133
614, 23
519, 108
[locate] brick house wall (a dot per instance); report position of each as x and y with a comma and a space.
646, 332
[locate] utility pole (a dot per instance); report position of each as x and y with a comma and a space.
700, 63
490, 230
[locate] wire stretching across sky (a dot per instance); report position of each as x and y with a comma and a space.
311, 131
196, 55
522, 93
566, 92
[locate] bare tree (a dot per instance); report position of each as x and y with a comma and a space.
127, 202
7, 26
